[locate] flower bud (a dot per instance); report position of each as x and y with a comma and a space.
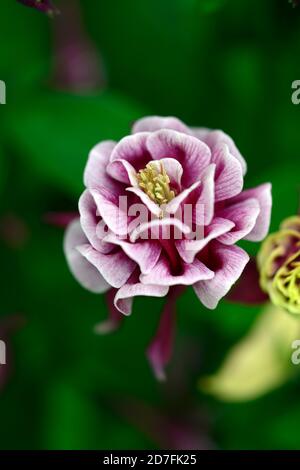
279, 265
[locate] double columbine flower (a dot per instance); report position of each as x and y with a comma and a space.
161, 168
279, 265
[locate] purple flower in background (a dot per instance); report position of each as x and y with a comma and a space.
45, 6
160, 170
77, 65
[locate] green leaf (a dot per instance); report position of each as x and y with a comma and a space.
56, 132
78, 420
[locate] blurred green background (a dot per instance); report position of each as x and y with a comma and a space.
215, 63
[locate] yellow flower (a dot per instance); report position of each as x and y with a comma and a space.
279, 265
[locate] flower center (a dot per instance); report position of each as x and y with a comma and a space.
155, 182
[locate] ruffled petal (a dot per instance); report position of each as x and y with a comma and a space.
173, 169
116, 267
244, 215
193, 154
230, 262
145, 253
155, 123
95, 174
123, 171
113, 210
133, 149
124, 296
190, 273
215, 137
263, 196
173, 206
83, 271
229, 176
204, 208
188, 249
89, 222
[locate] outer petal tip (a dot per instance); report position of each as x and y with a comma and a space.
83, 271
154, 123
232, 261
263, 194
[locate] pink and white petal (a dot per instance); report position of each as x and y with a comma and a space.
111, 209
231, 261
95, 171
229, 176
263, 195
173, 169
200, 132
133, 148
145, 253
188, 249
215, 137
121, 170
191, 273
159, 228
134, 288
83, 271
244, 214
89, 222
204, 208
123, 302
145, 199
193, 154
155, 123
173, 206
115, 267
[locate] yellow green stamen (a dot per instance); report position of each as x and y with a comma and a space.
155, 182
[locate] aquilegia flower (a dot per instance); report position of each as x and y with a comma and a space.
279, 265
161, 169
